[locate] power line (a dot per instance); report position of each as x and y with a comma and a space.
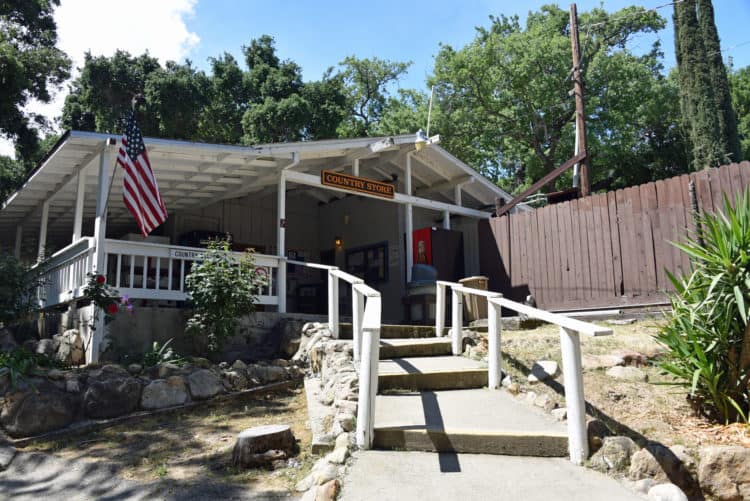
632, 14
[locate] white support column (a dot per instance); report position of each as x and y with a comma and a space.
358, 310
409, 241
368, 387
333, 304
19, 238
281, 242
355, 167
100, 223
574, 398
457, 195
80, 197
100, 234
457, 321
446, 220
494, 327
409, 221
439, 309
43, 231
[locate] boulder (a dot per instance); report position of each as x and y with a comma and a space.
204, 384
627, 374
289, 334
162, 393
591, 362
47, 347
597, 431
256, 441
631, 357
545, 402
112, 397
542, 370
614, 455
27, 412
665, 464
328, 491
71, 349
135, 369
237, 380
266, 373
666, 492
724, 472
239, 365
7, 453
560, 414
110, 371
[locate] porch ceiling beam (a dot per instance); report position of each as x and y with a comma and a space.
65, 180
401, 198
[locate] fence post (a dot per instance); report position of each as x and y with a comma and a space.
494, 327
439, 309
457, 320
333, 304
574, 399
358, 310
368, 375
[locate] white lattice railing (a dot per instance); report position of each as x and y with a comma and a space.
144, 270
570, 343
64, 274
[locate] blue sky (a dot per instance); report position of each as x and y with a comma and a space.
320, 34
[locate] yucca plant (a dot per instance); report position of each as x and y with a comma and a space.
708, 334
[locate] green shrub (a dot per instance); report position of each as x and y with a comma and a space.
708, 335
19, 363
17, 289
222, 289
161, 354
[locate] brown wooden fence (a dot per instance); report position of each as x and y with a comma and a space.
608, 250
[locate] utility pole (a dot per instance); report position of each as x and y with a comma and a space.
585, 180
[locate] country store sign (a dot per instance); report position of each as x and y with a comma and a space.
357, 184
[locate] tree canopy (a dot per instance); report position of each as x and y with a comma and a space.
31, 67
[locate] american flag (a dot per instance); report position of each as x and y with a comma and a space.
140, 191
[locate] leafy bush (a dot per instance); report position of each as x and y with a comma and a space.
17, 289
160, 354
222, 289
708, 335
19, 363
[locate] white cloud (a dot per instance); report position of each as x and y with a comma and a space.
102, 27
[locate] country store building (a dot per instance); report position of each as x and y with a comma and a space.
371, 206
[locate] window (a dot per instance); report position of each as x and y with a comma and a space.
369, 263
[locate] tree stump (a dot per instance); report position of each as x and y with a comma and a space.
263, 444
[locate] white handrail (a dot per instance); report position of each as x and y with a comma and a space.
570, 343
366, 322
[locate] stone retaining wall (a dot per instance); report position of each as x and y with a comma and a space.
52, 399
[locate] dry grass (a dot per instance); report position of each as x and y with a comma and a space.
653, 410
197, 446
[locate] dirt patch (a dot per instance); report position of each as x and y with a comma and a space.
196, 446
652, 410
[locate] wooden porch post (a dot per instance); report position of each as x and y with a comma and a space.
19, 238
409, 222
281, 242
43, 230
78, 215
96, 335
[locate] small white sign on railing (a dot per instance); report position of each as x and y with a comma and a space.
186, 254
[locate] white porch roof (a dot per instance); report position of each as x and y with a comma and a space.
198, 174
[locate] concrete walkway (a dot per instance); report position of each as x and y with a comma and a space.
400, 476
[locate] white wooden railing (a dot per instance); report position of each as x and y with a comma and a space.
144, 270
64, 274
570, 330
366, 322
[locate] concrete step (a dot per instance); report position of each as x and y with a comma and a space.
390, 331
467, 421
415, 347
431, 373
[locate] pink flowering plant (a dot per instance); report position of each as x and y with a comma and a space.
106, 297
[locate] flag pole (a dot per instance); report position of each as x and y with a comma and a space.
133, 102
